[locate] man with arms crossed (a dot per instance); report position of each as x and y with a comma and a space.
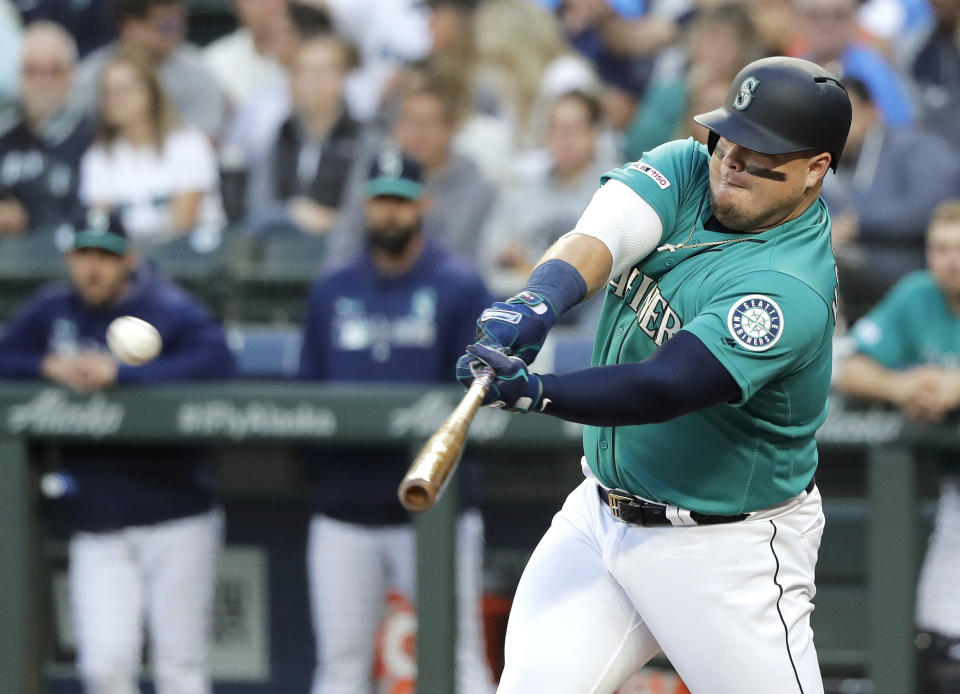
697, 528
908, 355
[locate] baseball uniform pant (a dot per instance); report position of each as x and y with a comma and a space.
728, 604
938, 593
352, 567
164, 574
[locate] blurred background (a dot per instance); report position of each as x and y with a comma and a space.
233, 140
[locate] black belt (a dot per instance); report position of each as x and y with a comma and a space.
630, 508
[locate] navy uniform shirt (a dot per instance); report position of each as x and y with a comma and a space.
363, 326
121, 486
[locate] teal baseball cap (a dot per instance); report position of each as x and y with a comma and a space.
101, 229
393, 174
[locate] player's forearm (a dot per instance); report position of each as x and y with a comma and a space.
588, 255
655, 390
862, 377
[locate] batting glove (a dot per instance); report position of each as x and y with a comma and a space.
517, 326
515, 388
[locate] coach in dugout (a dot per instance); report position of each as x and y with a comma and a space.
145, 526
396, 312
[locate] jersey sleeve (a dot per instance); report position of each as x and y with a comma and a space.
878, 335
761, 326
661, 176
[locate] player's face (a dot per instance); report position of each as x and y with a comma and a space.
100, 277
943, 256
392, 222
750, 191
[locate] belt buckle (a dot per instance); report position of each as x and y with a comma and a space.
615, 497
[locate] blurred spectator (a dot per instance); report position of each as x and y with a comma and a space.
156, 28
481, 136
244, 60
256, 120
459, 193
933, 64
777, 22
719, 42
620, 38
525, 62
90, 22
303, 180
9, 53
706, 92
458, 196
908, 355
159, 175
388, 35
888, 182
888, 22
533, 214
832, 42
145, 529
40, 154
399, 311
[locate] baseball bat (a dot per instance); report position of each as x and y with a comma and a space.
436, 462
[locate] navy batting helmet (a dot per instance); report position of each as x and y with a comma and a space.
781, 105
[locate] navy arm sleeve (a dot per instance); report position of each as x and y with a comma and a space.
313, 349
23, 343
680, 377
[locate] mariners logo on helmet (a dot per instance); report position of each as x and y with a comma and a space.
745, 96
756, 322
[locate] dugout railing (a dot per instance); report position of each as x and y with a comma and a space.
864, 621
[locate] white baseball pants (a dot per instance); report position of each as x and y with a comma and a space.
351, 567
164, 574
728, 604
938, 592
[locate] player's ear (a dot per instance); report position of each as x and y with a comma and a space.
817, 168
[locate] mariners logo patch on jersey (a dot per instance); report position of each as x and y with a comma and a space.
756, 322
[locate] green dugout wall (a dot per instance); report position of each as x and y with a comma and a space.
287, 413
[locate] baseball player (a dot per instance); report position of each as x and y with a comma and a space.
697, 528
145, 527
397, 311
908, 355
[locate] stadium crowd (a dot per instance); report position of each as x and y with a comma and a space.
512, 107
263, 139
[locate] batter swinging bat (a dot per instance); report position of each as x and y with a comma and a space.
435, 464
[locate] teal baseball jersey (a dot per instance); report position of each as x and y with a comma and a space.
764, 304
911, 326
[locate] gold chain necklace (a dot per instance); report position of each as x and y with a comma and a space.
673, 247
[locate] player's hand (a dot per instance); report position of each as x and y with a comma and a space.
515, 388
98, 370
517, 326
63, 370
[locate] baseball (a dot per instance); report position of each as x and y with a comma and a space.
133, 341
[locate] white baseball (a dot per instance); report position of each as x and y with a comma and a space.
133, 341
